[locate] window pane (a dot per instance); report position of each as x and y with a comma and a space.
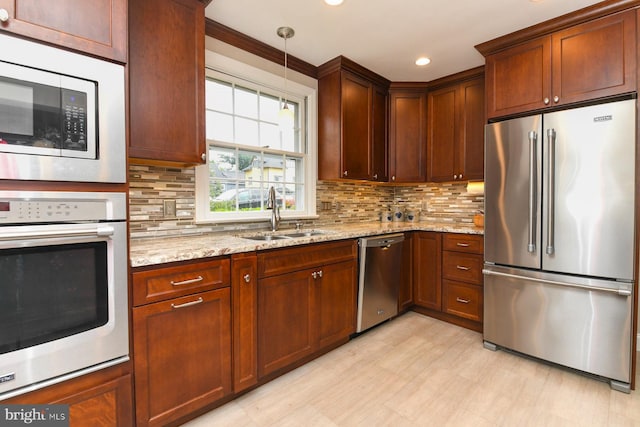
269, 136
273, 166
246, 102
225, 200
269, 107
246, 132
219, 96
293, 171
219, 126
223, 163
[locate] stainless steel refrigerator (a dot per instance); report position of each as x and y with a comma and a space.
559, 237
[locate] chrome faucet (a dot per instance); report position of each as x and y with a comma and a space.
275, 209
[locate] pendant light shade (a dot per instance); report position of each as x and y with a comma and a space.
286, 115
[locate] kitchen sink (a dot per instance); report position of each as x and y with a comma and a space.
304, 234
292, 235
266, 237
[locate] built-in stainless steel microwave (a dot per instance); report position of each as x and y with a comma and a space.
62, 115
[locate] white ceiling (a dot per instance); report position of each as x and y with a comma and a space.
386, 36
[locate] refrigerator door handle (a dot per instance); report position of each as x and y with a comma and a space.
551, 135
533, 139
620, 291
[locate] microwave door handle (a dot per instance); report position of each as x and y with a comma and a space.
100, 231
533, 137
551, 134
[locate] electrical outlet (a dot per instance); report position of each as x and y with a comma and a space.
169, 208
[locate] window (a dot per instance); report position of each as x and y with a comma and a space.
251, 149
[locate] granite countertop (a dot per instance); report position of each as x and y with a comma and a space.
151, 251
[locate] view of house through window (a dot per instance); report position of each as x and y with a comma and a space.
252, 148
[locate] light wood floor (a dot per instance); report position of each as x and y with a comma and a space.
418, 371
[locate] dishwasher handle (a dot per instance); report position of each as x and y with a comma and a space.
381, 241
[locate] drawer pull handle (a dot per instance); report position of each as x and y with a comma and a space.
187, 304
463, 301
462, 245
462, 267
187, 282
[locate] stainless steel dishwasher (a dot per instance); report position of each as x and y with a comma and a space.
380, 263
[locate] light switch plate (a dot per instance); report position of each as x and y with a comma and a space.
169, 208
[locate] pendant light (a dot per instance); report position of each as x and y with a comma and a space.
285, 115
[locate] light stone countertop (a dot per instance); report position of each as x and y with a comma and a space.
152, 251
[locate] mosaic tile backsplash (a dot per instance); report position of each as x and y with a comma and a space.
337, 203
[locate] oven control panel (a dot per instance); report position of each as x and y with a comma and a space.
49, 207
39, 211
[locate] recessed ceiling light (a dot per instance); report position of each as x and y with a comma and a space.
423, 60
333, 2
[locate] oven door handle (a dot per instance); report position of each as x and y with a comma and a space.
99, 231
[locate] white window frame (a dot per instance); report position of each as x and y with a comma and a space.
246, 75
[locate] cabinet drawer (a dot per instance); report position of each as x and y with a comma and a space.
472, 243
280, 261
169, 282
464, 300
461, 266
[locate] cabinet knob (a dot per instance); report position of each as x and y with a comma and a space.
393, 178
247, 278
546, 101
203, 156
375, 176
4, 15
455, 176
460, 176
556, 98
345, 173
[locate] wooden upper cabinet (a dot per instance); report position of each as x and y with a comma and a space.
595, 59
591, 60
519, 79
456, 130
352, 111
407, 136
98, 27
379, 137
356, 127
166, 82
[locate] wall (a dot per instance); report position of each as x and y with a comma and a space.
337, 203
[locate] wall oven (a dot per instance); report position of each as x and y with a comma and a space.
63, 286
62, 115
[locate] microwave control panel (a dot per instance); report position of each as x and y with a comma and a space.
19, 211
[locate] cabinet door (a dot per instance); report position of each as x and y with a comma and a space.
97, 27
519, 78
408, 137
470, 151
356, 127
244, 285
427, 250
379, 135
335, 298
182, 353
443, 134
102, 398
595, 59
166, 81
405, 291
286, 331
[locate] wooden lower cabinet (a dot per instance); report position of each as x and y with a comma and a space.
427, 269
448, 278
101, 399
244, 288
182, 353
405, 289
302, 312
